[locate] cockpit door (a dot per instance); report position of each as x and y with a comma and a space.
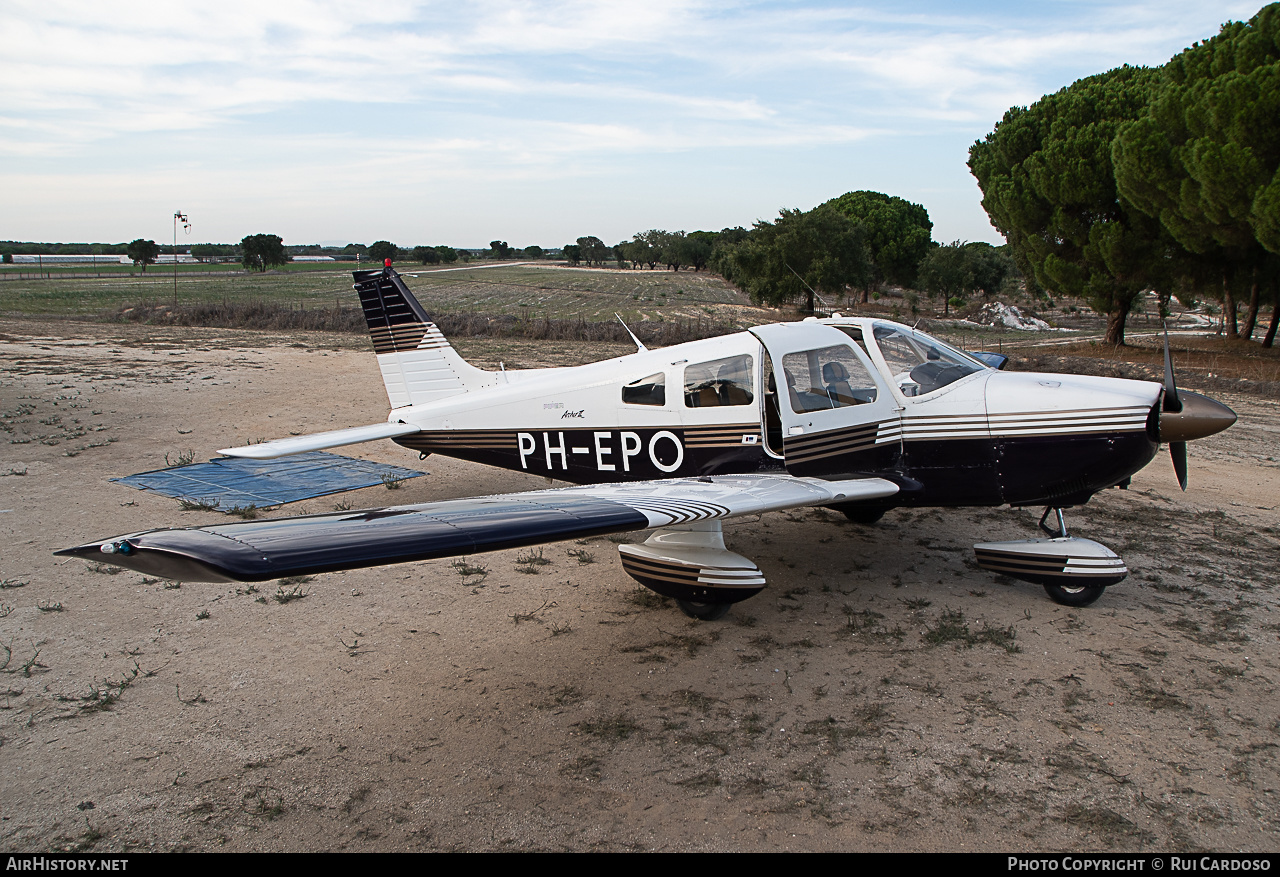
837, 415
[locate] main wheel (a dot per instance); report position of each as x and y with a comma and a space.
863, 516
703, 611
1074, 595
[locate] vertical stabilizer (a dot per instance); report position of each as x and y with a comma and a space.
418, 363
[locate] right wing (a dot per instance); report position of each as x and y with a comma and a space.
260, 550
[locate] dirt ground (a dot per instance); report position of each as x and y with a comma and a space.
882, 694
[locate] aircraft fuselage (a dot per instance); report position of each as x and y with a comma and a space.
859, 397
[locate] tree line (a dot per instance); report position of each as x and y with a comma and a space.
258, 252
859, 241
1162, 178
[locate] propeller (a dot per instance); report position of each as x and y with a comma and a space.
1172, 404
1187, 416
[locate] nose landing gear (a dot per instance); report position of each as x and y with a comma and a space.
1073, 571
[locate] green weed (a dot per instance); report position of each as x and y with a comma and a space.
283, 596
180, 459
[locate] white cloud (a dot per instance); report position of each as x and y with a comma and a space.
512, 91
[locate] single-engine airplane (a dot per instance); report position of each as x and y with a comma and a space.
853, 414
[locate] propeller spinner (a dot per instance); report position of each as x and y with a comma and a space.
1187, 416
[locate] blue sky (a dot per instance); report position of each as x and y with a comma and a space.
462, 122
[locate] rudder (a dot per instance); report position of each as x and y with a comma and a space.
418, 363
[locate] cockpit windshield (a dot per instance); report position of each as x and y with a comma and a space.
920, 364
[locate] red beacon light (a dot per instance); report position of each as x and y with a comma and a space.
386, 263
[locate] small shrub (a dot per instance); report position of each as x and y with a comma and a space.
180, 459
464, 569
529, 561
282, 596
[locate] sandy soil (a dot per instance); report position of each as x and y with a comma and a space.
883, 694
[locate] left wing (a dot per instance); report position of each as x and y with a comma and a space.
260, 550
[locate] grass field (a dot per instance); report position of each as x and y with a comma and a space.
524, 291
78, 290
568, 293
552, 302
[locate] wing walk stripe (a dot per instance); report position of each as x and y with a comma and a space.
678, 512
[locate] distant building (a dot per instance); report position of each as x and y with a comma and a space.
27, 259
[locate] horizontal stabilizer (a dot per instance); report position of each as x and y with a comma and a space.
269, 549
320, 441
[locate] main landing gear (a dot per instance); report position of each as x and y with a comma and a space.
689, 563
866, 515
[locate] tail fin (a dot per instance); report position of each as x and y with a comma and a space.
418, 363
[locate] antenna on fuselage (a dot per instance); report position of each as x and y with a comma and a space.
812, 292
640, 348
801, 279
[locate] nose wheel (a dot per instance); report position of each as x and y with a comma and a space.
703, 611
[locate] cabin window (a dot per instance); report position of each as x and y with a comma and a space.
646, 391
855, 332
919, 364
829, 377
718, 383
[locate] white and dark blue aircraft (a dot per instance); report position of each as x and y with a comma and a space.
858, 415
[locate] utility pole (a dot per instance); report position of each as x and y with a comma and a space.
186, 226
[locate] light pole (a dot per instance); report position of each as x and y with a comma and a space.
186, 226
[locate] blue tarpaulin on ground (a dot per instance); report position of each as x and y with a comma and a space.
232, 482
